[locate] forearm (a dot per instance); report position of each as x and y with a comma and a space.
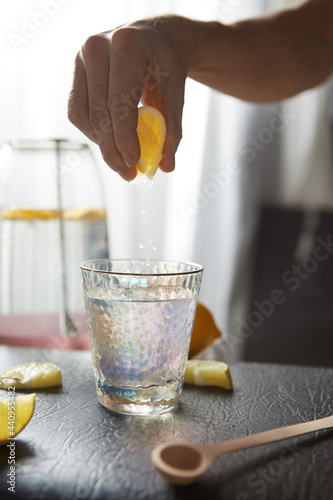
260, 60
263, 60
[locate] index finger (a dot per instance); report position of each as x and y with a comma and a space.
95, 56
126, 75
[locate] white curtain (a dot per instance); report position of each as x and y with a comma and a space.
205, 211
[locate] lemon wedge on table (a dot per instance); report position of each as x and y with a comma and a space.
14, 415
35, 375
151, 130
208, 372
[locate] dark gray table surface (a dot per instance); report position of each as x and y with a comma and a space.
73, 448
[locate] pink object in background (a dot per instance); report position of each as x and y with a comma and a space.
42, 330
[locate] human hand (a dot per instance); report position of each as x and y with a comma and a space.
114, 70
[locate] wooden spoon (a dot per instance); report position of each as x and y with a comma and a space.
184, 463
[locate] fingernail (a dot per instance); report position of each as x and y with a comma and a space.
128, 159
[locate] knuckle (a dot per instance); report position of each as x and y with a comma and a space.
74, 114
118, 106
92, 46
100, 119
124, 38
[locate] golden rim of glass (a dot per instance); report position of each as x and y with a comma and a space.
195, 268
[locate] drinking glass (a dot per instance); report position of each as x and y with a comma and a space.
140, 317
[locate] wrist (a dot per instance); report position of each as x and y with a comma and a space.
190, 39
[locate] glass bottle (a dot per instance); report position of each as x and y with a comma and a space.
52, 218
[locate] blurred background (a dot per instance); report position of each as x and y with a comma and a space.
248, 178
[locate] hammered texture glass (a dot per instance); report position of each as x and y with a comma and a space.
140, 315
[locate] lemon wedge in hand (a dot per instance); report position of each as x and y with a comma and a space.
151, 132
14, 415
208, 372
35, 375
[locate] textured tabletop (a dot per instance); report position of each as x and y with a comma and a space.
73, 448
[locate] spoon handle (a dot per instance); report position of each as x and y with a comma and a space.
270, 436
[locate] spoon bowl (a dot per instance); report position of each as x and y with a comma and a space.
183, 464
180, 464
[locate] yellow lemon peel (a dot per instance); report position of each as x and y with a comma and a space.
208, 372
14, 415
204, 331
151, 132
35, 375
